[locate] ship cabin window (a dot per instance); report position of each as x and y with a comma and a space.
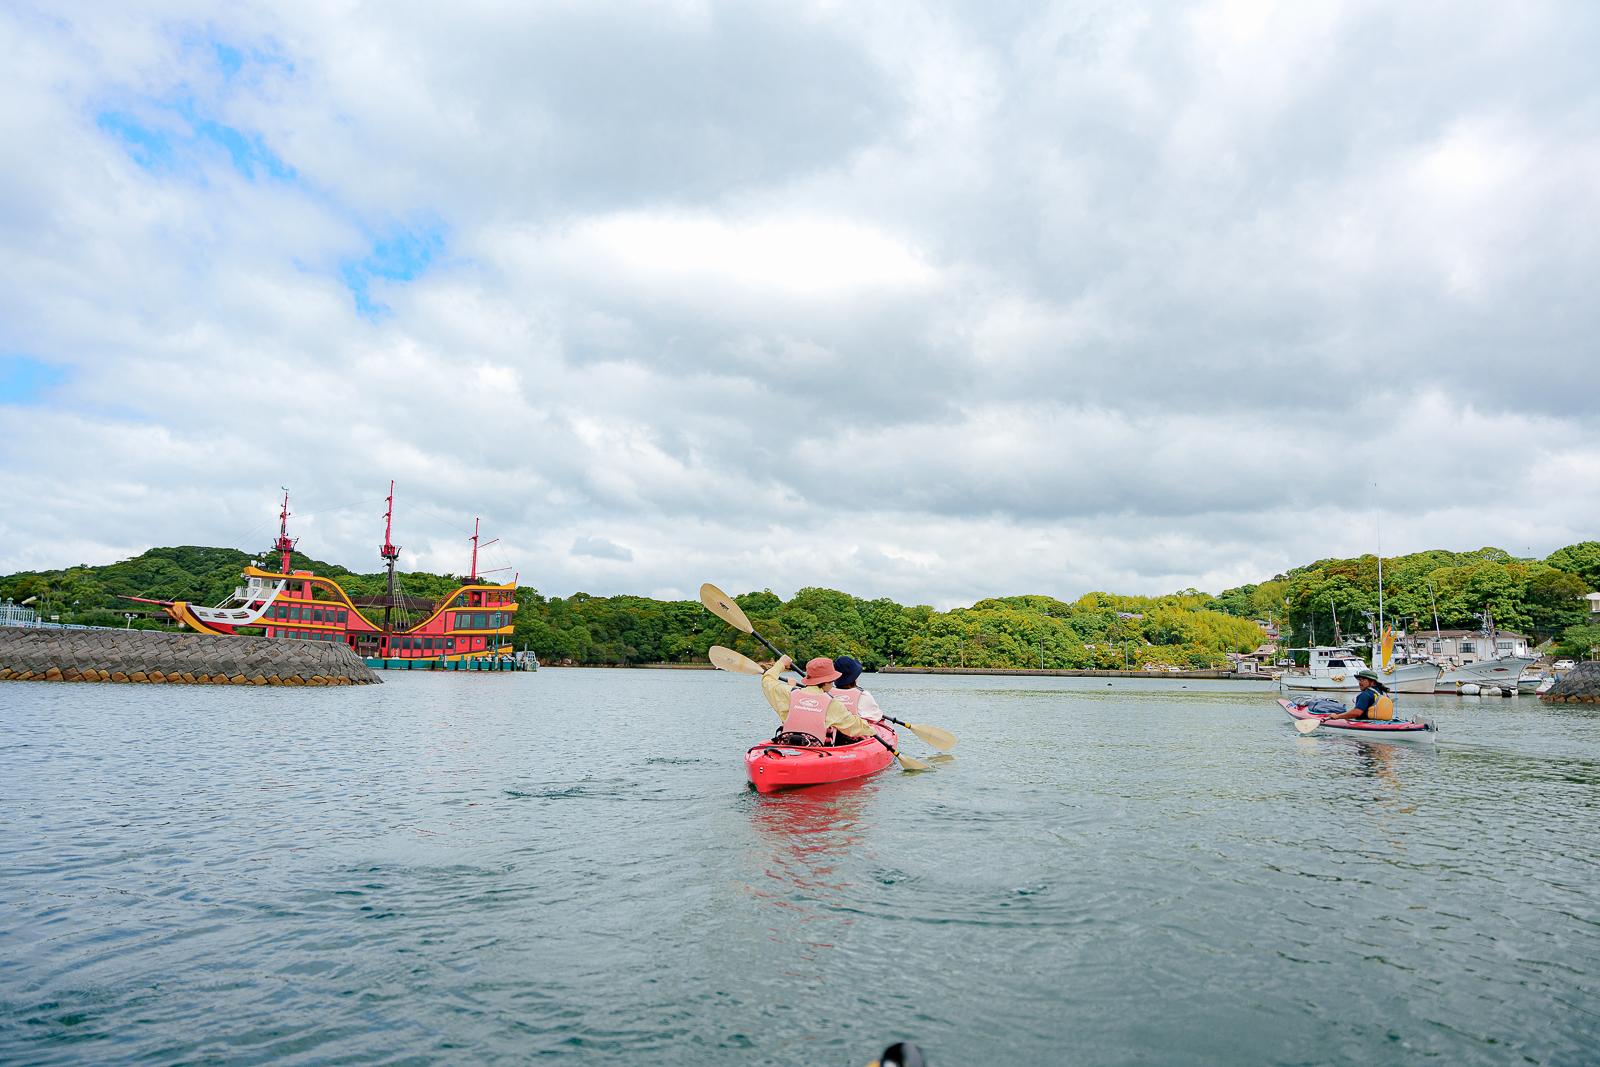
316, 614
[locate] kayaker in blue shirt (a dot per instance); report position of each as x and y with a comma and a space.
1372, 702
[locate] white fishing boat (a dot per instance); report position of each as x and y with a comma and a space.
1462, 659
1332, 668
1505, 672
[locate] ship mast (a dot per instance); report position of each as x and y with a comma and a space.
475, 547
390, 552
284, 544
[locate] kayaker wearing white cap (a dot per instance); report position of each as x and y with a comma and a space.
846, 692
811, 710
1373, 702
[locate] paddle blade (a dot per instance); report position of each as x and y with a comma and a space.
911, 764
726, 659
1305, 726
722, 606
943, 740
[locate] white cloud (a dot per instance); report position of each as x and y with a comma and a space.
932, 304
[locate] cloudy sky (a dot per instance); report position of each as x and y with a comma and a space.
934, 302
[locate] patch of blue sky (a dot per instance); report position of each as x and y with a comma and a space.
145, 144
237, 61
172, 136
402, 254
230, 60
25, 380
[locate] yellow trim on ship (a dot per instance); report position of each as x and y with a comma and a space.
447, 603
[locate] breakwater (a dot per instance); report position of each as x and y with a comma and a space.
166, 658
1580, 686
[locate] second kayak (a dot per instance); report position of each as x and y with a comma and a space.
1396, 730
772, 766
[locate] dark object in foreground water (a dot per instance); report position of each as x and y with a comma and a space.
901, 1054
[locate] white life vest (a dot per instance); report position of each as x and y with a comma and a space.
853, 699
808, 713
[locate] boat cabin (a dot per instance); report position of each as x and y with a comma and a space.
1330, 658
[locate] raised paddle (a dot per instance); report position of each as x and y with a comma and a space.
728, 660
722, 606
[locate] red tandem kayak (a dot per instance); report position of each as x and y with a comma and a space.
1399, 729
772, 766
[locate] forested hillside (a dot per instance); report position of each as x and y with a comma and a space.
1543, 598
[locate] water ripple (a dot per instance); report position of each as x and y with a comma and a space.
445, 870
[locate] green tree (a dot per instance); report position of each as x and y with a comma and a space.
1555, 601
1582, 559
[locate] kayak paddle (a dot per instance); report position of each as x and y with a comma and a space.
1305, 726
728, 660
723, 607
941, 739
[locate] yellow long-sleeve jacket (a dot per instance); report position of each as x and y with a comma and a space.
840, 717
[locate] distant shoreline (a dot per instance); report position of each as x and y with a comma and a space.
1208, 675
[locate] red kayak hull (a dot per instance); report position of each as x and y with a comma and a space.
772, 766
1408, 730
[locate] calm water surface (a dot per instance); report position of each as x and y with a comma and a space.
570, 865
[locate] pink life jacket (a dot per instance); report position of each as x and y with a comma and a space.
808, 713
851, 698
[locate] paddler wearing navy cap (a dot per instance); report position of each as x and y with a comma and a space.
811, 710
1373, 702
852, 696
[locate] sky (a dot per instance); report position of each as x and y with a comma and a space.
928, 301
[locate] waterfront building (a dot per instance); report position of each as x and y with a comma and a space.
1464, 647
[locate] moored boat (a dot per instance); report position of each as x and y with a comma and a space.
1332, 668
1502, 671
771, 766
468, 629
1395, 730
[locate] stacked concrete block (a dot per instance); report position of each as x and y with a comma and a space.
1581, 685
152, 657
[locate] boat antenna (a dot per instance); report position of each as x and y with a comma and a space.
390, 552
1338, 638
284, 543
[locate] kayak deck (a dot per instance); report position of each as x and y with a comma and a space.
1400, 728
771, 766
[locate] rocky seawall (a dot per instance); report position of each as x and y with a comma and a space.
167, 658
1580, 686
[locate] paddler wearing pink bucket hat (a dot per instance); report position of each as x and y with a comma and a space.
811, 714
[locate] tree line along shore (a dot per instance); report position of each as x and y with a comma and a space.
1190, 629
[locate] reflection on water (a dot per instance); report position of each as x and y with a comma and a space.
805, 833
503, 868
